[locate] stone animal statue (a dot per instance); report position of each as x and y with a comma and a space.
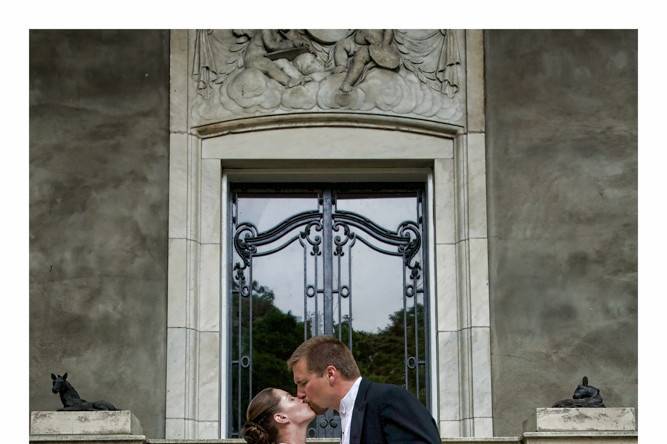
71, 399
584, 396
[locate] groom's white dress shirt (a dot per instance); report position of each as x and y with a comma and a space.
345, 410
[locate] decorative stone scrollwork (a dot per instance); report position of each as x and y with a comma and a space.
244, 72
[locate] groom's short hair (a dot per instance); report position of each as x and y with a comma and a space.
322, 351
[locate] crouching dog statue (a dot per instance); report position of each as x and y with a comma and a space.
584, 396
71, 399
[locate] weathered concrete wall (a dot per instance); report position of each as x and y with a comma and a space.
99, 111
562, 201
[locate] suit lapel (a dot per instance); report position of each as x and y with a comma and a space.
359, 412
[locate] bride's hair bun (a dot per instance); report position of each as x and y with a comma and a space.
260, 428
254, 433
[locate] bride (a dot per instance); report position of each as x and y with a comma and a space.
276, 417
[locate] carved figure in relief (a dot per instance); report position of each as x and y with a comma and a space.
311, 67
363, 50
432, 56
304, 68
261, 70
266, 46
204, 70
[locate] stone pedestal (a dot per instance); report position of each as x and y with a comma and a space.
586, 419
583, 425
109, 427
580, 438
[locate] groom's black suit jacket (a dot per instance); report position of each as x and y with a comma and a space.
385, 413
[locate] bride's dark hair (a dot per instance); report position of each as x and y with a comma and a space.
260, 428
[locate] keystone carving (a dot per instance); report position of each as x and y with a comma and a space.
244, 72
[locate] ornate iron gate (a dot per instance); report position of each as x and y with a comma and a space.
325, 238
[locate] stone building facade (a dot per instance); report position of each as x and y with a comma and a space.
524, 143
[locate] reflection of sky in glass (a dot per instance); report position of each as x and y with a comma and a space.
388, 212
282, 272
266, 212
377, 279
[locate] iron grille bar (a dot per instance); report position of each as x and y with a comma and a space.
340, 324
328, 265
239, 350
229, 314
349, 297
414, 304
423, 221
316, 319
405, 333
252, 287
305, 293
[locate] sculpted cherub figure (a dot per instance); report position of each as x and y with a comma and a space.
363, 50
266, 47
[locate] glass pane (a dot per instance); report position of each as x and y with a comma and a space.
377, 291
377, 320
266, 211
277, 303
278, 315
387, 212
382, 331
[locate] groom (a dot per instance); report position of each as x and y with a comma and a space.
327, 377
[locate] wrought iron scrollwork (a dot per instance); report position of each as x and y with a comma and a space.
245, 233
340, 242
410, 232
313, 239
407, 237
247, 240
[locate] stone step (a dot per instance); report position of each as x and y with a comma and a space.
140, 439
527, 438
496, 440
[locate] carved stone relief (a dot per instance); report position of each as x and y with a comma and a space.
249, 72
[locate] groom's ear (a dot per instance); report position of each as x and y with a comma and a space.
332, 374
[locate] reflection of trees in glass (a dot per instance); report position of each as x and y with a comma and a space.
276, 334
380, 355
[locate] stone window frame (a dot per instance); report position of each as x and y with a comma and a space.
327, 145
338, 174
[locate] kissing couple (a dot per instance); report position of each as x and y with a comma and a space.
327, 377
